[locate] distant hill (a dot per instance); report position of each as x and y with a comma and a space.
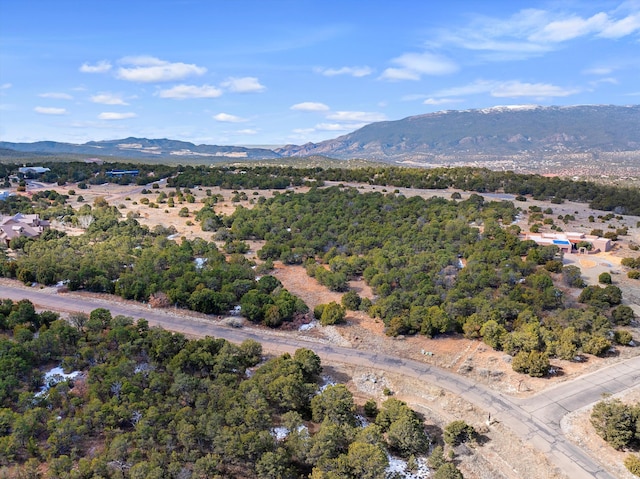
489, 133
510, 137
141, 148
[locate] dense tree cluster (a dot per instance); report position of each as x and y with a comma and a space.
96, 174
151, 404
482, 180
234, 178
436, 266
128, 259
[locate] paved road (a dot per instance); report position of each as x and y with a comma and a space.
536, 420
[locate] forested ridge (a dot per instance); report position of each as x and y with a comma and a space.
481, 180
147, 403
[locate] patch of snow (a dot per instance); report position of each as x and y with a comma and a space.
308, 326
199, 262
362, 421
236, 310
172, 237
279, 433
54, 376
327, 381
399, 467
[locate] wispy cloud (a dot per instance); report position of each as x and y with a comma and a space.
515, 89
310, 106
153, 70
56, 96
507, 89
108, 99
598, 71
100, 67
247, 131
182, 92
228, 118
243, 85
5, 86
43, 110
533, 32
412, 66
111, 115
357, 71
337, 126
359, 116
441, 101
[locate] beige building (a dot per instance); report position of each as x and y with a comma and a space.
20, 224
567, 242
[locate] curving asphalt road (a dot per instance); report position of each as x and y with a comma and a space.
536, 420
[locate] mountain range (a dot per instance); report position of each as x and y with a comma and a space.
534, 132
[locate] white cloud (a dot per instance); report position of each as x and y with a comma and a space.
50, 111
441, 101
247, 131
243, 85
151, 70
181, 92
399, 74
510, 89
531, 32
57, 96
108, 99
5, 86
227, 118
303, 131
478, 86
570, 28
598, 71
100, 67
621, 28
111, 115
606, 80
310, 106
353, 71
359, 116
337, 126
515, 89
413, 65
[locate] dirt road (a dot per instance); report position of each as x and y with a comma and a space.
536, 420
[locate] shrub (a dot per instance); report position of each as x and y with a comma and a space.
351, 301
604, 278
458, 432
622, 337
622, 315
534, 363
332, 313
632, 463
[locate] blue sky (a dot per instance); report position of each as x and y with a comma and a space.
271, 72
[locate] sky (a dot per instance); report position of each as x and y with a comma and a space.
275, 72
